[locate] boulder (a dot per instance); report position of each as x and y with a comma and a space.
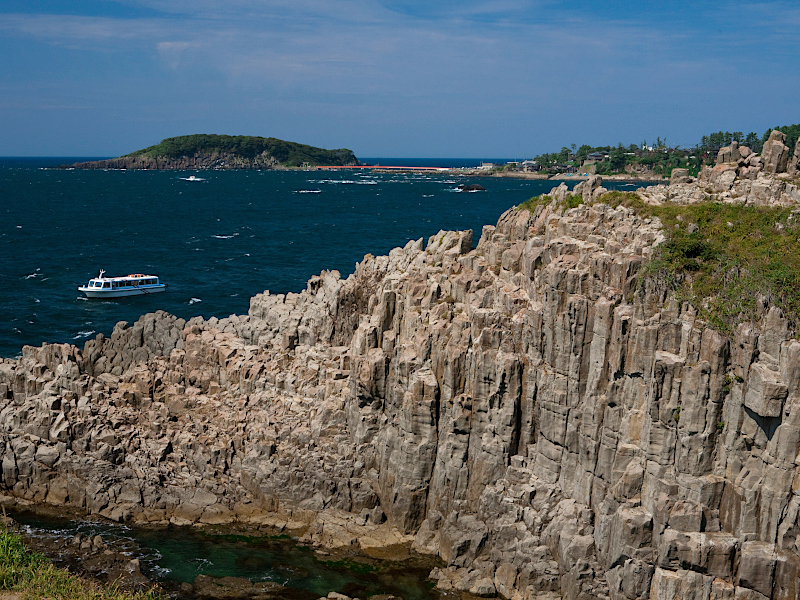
775, 154
729, 154
680, 176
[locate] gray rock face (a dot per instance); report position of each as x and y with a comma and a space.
775, 154
591, 189
729, 154
738, 183
201, 160
794, 163
680, 176
525, 410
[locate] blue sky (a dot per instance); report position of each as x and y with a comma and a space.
500, 78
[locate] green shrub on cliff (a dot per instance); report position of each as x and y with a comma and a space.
289, 154
727, 260
30, 574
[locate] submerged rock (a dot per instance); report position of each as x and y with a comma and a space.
206, 587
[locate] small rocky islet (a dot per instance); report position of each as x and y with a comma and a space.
223, 153
524, 410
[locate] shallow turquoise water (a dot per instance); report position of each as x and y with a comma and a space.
180, 554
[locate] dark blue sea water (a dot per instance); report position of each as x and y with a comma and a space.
216, 242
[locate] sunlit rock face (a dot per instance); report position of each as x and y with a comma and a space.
525, 409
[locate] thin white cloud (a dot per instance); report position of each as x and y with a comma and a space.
459, 63
71, 29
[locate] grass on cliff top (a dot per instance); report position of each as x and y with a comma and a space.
34, 578
739, 257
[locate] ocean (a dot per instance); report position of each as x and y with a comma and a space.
215, 242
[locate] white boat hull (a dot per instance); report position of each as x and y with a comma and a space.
120, 292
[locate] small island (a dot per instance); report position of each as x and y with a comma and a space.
224, 152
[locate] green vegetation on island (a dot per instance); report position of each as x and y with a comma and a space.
288, 154
30, 574
723, 258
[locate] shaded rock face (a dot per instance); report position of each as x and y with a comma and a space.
202, 160
775, 154
680, 176
525, 410
794, 164
729, 154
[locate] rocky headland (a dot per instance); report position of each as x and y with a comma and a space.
223, 153
532, 411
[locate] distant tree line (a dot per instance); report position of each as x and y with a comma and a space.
656, 156
714, 141
286, 153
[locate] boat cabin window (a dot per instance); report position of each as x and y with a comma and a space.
107, 284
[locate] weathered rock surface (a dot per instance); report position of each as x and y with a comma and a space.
680, 176
221, 161
525, 410
739, 177
794, 164
230, 588
775, 154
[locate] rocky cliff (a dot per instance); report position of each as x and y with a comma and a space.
532, 411
220, 161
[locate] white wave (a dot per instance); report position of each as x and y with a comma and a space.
194, 300
226, 237
309, 191
366, 182
82, 334
34, 274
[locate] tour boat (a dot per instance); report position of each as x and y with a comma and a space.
116, 287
